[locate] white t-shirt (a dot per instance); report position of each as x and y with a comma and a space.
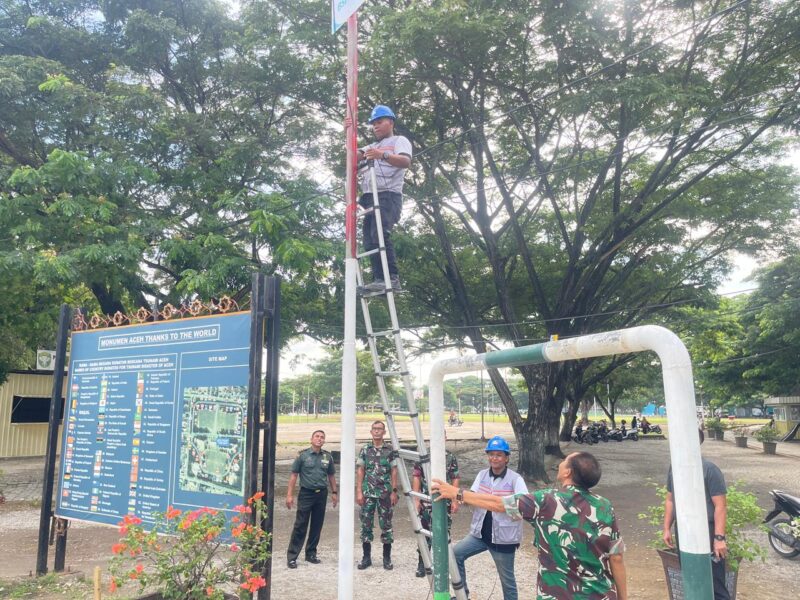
389, 178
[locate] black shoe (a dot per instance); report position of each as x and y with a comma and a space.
292, 564
313, 559
387, 557
420, 570
366, 560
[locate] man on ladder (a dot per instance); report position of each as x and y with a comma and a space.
392, 156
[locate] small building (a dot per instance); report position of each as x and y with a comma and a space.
25, 413
786, 412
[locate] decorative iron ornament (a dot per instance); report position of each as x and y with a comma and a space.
168, 312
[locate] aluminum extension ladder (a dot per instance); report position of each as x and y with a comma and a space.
421, 454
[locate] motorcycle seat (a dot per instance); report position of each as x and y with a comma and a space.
789, 498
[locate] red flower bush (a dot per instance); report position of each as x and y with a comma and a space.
186, 556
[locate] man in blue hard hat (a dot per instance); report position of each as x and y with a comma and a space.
495, 532
392, 156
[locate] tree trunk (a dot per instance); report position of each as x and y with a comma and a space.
532, 439
553, 418
569, 419
109, 303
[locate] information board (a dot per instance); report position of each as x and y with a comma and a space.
156, 416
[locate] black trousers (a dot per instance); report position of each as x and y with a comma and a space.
717, 567
717, 571
310, 506
391, 205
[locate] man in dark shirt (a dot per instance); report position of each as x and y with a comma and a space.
315, 469
717, 510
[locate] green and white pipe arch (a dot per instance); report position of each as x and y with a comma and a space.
684, 443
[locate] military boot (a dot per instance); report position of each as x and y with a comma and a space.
387, 557
420, 566
366, 560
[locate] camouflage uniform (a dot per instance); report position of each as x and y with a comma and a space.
425, 507
377, 490
576, 531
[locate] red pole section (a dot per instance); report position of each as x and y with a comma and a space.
350, 135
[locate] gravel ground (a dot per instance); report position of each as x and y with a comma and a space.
627, 468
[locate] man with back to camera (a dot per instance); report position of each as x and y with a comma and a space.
496, 533
315, 469
717, 513
392, 156
580, 549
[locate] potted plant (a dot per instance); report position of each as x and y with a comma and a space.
743, 512
193, 555
740, 437
768, 436
717, 427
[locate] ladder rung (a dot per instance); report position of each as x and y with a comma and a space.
401, 413
410, 455
424, 532
385, 333
392, 373
368, 252
365, 211
421, 496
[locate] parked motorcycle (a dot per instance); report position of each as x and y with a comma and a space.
647, 428
630, 434
454, 421
784, 533
624, 433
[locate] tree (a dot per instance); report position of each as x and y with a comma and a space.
762, 361
595, 162
151, 151
324, 383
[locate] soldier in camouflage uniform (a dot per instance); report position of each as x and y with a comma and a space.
423, 507
580, 548
376, 489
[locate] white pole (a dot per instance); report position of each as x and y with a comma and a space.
349, 364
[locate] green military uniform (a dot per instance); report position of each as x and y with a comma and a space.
313, 469
377, 490
425, 506
576, 532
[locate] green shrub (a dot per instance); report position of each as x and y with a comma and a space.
766, 434
715, 424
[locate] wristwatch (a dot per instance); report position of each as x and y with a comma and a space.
385, 155
394, 490
719, 538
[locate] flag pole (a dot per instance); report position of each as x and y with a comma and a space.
348, 451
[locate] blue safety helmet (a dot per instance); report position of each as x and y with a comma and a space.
381, 111
499, 444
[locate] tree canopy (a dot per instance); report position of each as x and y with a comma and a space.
579, 167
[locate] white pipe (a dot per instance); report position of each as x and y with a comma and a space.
684, 443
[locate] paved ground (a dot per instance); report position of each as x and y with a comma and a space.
627, 468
